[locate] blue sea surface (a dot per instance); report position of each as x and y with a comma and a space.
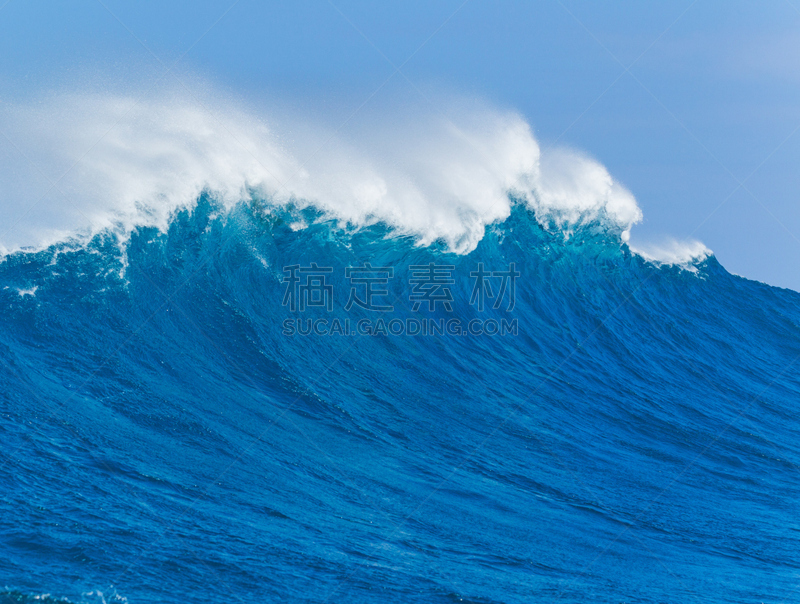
164, 439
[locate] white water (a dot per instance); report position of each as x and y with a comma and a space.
81, 163
672, 251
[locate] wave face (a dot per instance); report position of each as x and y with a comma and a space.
167, 438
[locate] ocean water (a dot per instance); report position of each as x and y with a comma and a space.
631, 435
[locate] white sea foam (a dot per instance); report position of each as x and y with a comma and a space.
31, 291
82, 162
673, 252
574, 189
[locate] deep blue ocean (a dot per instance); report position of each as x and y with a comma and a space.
630, 435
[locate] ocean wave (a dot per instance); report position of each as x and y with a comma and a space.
184, 433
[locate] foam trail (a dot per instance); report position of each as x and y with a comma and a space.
431, 177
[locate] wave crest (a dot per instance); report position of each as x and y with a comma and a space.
84, 163
685, 254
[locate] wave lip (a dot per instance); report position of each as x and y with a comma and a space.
672, 252
574, 189
432, 177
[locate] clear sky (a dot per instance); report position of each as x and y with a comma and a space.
693, 106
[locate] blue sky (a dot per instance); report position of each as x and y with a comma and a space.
693, 106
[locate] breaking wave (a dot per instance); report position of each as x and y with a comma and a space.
177, 421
